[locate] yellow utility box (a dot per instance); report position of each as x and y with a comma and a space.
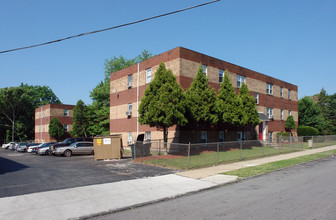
108, 147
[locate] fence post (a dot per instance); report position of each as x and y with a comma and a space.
241, 150
263, 146
188, 156
157, 151
217, 151
312, 142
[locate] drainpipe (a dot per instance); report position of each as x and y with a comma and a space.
138, 80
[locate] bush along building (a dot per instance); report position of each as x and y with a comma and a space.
45, 113
275, 99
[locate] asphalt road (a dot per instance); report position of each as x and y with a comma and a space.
302, 192
23, 173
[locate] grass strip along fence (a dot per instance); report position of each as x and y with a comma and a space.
266, 168
192, 156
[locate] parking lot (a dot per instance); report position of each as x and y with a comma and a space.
23, 173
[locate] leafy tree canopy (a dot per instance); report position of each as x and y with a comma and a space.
80, 120
56, 129
290, 123
310, 114
250, 113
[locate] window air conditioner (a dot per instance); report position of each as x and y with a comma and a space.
129, 84
128, 113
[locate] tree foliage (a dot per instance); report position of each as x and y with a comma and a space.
290, 123
310, 114
56, 129
229, 106
201, 101
250, 113
99, 110
80, 120
163, 104
307, 131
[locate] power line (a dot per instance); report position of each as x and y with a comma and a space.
110, 28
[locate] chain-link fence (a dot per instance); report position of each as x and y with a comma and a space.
190, 156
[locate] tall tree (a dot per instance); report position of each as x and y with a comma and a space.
56, 129
310, 114
290, 123
14, 101
163, 104
201, 101
80, 120
99, 110
250, 113
229, 106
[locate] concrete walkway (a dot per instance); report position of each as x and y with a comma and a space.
93, 200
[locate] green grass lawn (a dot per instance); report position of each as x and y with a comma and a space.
209, 158
266, 168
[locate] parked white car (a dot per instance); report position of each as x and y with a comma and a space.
45, 149
5, 146
75, 148
21, 147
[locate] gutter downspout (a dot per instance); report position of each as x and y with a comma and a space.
138, 80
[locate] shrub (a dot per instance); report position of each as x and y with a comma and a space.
307, 131
283, 134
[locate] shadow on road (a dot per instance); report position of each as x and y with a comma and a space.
7, 166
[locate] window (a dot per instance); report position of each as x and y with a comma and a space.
269, 88
289, 93
205, 69
269, 112
148, 136
221, 75
270, 136
221, 136
289, 112
256, 97
130, 81
281, 92
204, 137
281, 114
66, 112
240, 80
148, 75
129, 108
129, 138
65, 128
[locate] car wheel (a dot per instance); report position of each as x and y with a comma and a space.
49, 152
67, 153
92, 152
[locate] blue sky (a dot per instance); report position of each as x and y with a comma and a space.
294, 41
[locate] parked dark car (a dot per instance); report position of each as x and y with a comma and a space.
69, 141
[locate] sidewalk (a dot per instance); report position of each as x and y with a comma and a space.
92, 200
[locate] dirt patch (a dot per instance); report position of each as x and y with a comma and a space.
159, 157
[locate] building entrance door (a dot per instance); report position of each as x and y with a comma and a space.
261, 131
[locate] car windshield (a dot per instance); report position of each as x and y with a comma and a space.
73, 144
44, 145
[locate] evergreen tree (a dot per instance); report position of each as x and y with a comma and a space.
56, 129
290, 123
80, 120
250, 113
163, 104
229, 106
201, 101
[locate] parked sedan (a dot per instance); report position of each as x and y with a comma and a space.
75, 148
30, 147
5, 146
11, 146
21, 147
44, 149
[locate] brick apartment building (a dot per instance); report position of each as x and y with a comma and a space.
275, 99
45, 113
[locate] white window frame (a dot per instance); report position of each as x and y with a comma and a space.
129, 137
204, 136
148, 75
66, 113
129, 107
281, 92
221, 76
256, 97
221, 137
289, 93
66, 128
281, 115
240, 80
270, 136
130, 80
147, 136
269, 88
289, 112
205, 70
269, 112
